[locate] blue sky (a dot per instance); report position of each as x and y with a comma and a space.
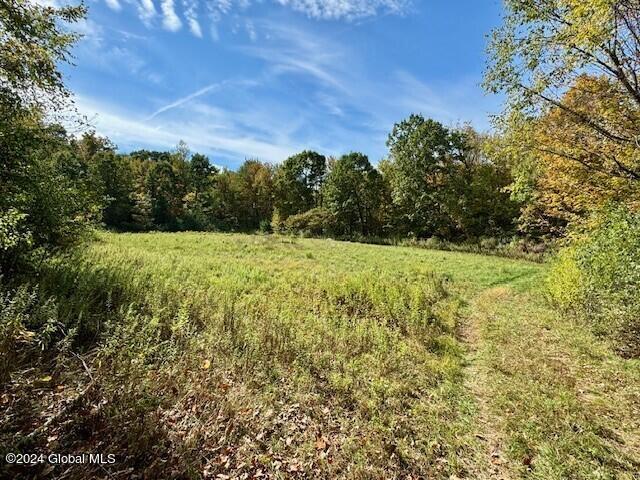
265, 79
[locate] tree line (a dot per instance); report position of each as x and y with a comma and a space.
436, 182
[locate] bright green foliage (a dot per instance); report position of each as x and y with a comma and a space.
149, 190
598, 277
354, 193
33, 41
314, 222
256, 192
151, 156
298, 182
569, 69
161, 190
166, 194
198, 201
242, 200
47, 192
277, 224
478, 201
12, 233
28, 326
443, 184
113, 179
421, 150
227, 201
141, 211
202, 173
542, 44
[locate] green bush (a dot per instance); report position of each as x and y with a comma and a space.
316, 221
277, 224
598, 277
265, 226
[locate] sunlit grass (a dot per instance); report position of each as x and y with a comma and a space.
354, 344
225, 354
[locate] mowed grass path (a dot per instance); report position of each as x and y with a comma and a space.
316, 358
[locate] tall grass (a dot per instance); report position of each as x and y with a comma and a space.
232, 354
514, 248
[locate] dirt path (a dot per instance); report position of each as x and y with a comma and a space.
491, 463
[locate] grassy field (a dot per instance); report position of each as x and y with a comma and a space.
236, 356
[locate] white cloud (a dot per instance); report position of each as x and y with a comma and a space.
48, 3
330, 103
199, 93
419, 97
251, 30
341, 104
347, 9
194, 27
170, 19
191, 14
183, 100
215, 34
146, 11
115, 57
292, 50
216, 9
128, 129
92, 32
114, 5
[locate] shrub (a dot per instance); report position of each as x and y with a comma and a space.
29, 327
277, 224
598, 277
265, 226
317, 221
14, 238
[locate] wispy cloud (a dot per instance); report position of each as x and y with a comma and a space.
224, 141
170, 19
295, 88
291, 50
191, 14
199, 93
92, 32
146, 11
347, 10
251, 30
115, 54
420, 97
330, 103
114, 5
183, 100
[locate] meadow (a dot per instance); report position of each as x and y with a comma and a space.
486, 327
241, 356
